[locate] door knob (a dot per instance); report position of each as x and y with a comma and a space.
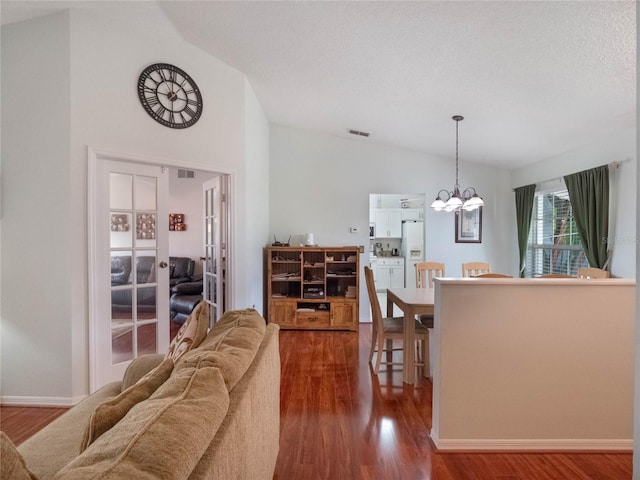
163, 265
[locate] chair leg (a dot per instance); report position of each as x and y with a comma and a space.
374, 341
380, 343
390, 344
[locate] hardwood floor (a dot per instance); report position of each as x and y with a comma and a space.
339, 421
19, 423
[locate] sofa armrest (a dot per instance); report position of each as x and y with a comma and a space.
188, 288
51, 448
177, 281
139, 367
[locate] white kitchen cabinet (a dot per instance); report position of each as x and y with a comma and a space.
415, 214
373, 264
390, 273
388, 222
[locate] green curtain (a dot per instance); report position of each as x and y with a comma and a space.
589, 196
524, 209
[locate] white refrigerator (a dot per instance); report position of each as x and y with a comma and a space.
412, 248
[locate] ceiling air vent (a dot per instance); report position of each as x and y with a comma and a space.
358, 132
185, 173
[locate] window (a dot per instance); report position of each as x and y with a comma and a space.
554, 243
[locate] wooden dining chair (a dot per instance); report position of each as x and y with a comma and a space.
492, 275
425, 273
590, 272
392, 329
471, 269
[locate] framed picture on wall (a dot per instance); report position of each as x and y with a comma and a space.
176, 222
469, 226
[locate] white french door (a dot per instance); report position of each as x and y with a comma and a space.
214, 265
129, 274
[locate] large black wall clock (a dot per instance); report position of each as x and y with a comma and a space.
169, 95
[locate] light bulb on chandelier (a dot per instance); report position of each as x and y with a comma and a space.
467, 200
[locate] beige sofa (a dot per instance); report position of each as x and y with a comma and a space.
214, 413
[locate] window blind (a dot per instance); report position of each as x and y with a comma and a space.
554, 243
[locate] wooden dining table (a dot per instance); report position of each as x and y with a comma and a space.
412, 301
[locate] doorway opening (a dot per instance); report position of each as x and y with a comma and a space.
147, 242
197, 200
396, 240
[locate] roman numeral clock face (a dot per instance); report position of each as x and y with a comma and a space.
169, 95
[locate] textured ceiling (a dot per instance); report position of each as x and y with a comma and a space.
532, 79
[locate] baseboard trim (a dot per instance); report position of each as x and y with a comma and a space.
538, 445
16, 401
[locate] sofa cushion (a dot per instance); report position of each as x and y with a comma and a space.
192, 332
12, 466
231, 344
163, 437
139, 367
107, 414
182, 267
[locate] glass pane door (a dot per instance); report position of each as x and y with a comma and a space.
215, 233
133, 212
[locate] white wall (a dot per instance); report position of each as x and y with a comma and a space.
616, 147
37, 229
94, 58
515, 369
251, 259
185, 196
321, 184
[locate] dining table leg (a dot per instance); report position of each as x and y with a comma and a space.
389, 315
409, 347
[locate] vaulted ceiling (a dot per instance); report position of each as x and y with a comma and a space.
532, 79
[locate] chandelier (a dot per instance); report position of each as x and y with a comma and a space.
467, 200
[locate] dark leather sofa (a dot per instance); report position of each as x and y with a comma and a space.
182, 300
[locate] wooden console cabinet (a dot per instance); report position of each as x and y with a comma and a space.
313, 287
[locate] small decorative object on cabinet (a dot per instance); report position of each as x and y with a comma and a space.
313, 287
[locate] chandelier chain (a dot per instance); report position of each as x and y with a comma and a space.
457, 183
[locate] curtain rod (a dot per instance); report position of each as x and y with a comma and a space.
615, 165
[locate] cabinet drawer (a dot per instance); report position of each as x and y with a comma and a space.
313, 319
390, 262
343, 315
282, 312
